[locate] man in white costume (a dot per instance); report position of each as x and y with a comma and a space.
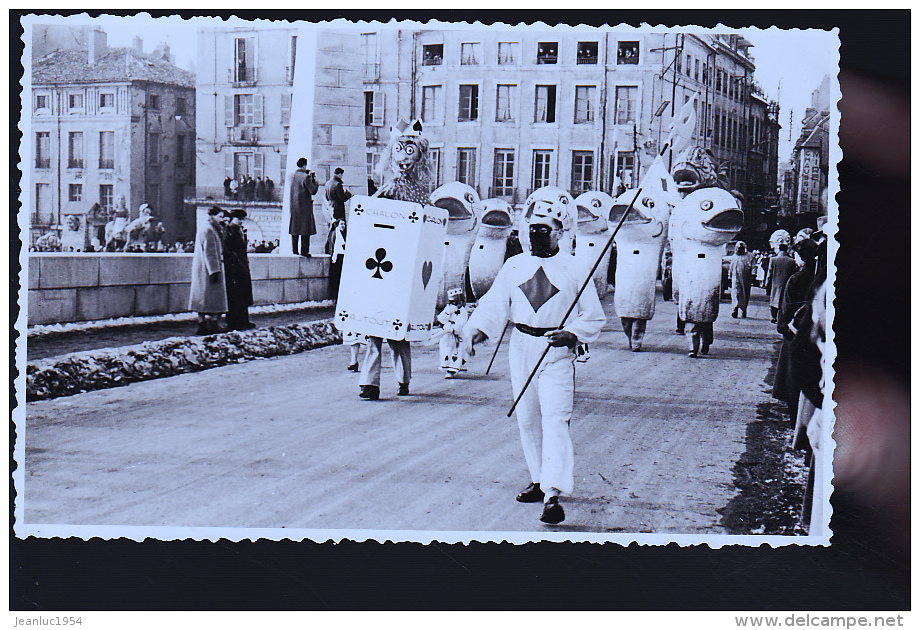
535, 290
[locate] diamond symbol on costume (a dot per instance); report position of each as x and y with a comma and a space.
378, 263
538, 289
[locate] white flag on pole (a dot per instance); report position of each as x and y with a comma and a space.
683, 126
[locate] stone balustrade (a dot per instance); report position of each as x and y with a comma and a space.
72, 287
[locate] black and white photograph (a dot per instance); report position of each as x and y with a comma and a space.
425, 282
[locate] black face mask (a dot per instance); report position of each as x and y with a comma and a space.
540, 241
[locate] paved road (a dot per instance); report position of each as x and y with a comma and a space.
285, 442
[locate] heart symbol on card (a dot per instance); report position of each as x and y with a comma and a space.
427, 268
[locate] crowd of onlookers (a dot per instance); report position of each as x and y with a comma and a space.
249, 189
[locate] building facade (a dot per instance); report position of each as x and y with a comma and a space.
810, 159
113, 127
246, 103
508, 111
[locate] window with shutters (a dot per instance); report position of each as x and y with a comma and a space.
153, 148
75, 102
373, 159
290, 72
503, 173
626, 168
470, 54
507, 53
469, 103
287, 101
378, 105
43, 149
249, 163
431, 104
244, 59
626, 105
696, 69
582, 171
542, 160
75, 192
436, 177
75, 149
43, 208
503, 106
545, 104
689, 65
584, 103
106, 149
243, 109
368, 108
466, 166
371, 56
107, 197
107, 100
181, 106
43, 103
182, 149
153, 101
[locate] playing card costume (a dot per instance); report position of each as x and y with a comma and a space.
452, 319
534, 290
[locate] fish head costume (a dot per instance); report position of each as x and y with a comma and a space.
778, 238
695, 168
710, 216
462, 204
647, 221
593, 209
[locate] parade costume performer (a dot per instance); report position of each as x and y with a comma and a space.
452, 318
741, 272
303, 223
640, 245
208, 295
405, 168
535, 290
236, 267
702, 223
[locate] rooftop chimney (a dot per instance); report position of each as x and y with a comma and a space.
162, 51
138, 44
97, 45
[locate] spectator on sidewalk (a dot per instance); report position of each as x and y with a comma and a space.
208, 295
236, 267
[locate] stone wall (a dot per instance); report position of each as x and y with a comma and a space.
84, 287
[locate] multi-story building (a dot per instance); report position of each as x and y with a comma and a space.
110, 126
508, 111
810, 158
246, 104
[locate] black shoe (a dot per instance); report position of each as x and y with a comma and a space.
704, 349
531, 494
353, 367
773, 320
202, 329
552, 512
403, 389
734, 315
371, 392
679, 331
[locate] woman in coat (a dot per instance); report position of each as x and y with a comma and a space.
303, 223
236, 266
208, 296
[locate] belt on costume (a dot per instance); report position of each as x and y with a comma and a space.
533, 332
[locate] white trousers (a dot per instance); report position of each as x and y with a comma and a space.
402, 361
545, 410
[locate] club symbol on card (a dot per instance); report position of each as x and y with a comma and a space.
427, 268
343, 315
359, 209
378, 264
397, 324
413, 217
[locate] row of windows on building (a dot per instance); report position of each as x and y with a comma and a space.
544, 111
76, 103
504, 169
245, 60
508, 53
75, 193
724, 83
76, 149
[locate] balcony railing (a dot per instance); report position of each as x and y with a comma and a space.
216, 194
586, 60
246, 77
371, 71
432, 61
244, 134
547, 59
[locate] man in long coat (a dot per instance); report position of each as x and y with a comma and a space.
208, 296
337, 195
236, 266
303, 223
781, 267
741, 273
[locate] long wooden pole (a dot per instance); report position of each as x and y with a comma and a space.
495, 354
590, 278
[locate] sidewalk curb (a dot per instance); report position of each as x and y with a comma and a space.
90, 370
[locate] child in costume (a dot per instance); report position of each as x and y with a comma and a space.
452, 319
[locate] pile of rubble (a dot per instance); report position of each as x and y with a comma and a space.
99, 369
